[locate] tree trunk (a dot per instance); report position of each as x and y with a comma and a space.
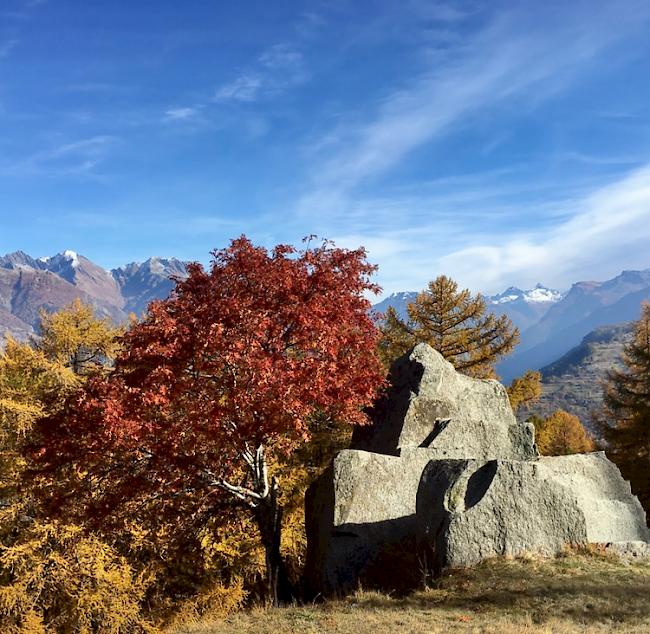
262, 498
268, 515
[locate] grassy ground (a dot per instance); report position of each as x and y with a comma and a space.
574, 593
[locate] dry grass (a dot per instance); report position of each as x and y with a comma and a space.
584, 591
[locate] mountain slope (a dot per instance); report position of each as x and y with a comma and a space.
585, 307
574, 382
29, 285
86, 276
140, 283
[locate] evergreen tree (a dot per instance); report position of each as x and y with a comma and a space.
626, 418
453, 322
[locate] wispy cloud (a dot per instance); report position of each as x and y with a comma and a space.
511, 57
182, 114
278, 68
244, 88
480, 234
76, 157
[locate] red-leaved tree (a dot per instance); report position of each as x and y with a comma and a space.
236, 360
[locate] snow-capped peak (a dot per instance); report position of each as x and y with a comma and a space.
538, 294
72, 257
402, 295
542, 294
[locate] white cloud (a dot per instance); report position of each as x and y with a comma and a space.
77, 157
278, 68
602, 232
181, 114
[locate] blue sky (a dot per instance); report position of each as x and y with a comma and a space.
497, 142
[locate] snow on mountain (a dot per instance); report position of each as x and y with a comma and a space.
539, 294
29, 284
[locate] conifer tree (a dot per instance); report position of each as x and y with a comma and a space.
453, 322
76, 339
52, 576
626, 424
561, 434
525, 390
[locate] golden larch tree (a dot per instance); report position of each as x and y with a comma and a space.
561, 434
525, 390
455, 323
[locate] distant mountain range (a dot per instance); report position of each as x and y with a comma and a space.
523, 307
587, 306
29, 284
573, 337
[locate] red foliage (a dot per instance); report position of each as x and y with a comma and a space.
240, 354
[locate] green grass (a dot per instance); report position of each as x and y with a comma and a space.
584, 591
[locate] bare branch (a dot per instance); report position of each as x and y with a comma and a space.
243, 493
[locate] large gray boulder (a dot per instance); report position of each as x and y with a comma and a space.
446, 476
359, 514
433, 408
470, 510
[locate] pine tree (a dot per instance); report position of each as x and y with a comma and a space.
626, 417
453, 322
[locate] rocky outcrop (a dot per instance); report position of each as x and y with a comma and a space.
431, 406
446, 476
470, 510
358, 514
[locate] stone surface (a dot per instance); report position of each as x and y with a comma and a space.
360, 511
431, 406
446, 476
470, 510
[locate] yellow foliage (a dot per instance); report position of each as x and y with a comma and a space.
561, 434
30, 386
214, 601
76, 339
525, 390
56, 578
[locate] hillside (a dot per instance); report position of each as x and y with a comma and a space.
574, 382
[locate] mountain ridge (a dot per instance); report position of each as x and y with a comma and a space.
29, 285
